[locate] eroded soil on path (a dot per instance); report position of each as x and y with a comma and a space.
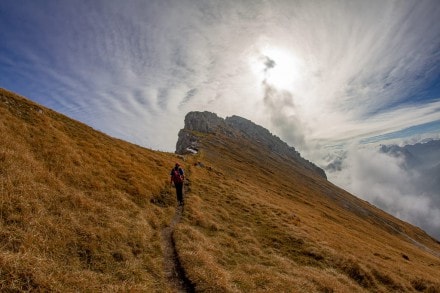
173, 268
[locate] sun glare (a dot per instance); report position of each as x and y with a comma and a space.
278, 67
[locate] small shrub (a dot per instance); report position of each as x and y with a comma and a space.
419, 284
355, 272
386, 280
433, 289
325, 289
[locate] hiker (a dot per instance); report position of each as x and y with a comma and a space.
177, 177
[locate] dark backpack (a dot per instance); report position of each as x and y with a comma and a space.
177, 178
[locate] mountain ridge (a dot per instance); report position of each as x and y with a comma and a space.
82, 211
233, 170
208, 122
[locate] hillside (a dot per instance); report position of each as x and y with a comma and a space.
81, 211
258, 221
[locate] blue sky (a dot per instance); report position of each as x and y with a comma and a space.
428, 129
344, 70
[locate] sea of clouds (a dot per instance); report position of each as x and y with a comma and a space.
404, 181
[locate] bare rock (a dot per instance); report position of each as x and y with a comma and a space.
207, 122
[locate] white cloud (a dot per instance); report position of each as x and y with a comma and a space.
354, 60
390, 120
385, 181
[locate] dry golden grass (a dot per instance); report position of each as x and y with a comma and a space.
76, 209
256, 223
83, 212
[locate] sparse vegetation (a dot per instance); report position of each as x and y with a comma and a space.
257, 223
423, 285
81, 211
77, 208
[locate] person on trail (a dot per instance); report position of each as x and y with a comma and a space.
177, 177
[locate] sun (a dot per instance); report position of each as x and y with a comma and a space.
277, 67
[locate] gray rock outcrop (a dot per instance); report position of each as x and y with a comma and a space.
204, 122
207, 122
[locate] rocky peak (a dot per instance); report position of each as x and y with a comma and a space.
207, 122
204, 122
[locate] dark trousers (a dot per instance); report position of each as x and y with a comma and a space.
179, 191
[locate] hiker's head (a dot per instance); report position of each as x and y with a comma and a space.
177, 165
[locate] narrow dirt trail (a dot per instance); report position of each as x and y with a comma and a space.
173, 268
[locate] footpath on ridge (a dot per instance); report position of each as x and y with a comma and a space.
174, 271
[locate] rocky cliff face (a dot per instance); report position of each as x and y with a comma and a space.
207, 122
203, 122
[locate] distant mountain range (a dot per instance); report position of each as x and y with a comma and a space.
420, 155
423, 158
402, 180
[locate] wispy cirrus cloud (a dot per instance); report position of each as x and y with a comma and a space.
105, 62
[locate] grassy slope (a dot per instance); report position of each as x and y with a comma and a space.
75, 205
76, 214
254, 222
